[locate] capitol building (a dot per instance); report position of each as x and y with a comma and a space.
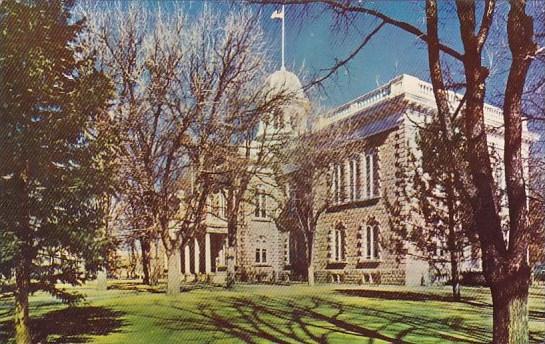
352, 240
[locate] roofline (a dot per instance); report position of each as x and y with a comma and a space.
413, 89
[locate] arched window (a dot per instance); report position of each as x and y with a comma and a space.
370, 241
337, 244
338, 183
261, 250
260, 209
355, 178
376, 242
372, 185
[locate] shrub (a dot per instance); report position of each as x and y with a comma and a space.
473, 279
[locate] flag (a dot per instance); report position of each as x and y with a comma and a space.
277, 15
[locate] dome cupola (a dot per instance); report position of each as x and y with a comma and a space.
297, 106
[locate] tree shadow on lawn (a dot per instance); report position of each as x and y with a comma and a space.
136, 286
69, 325
402, 295
158, 289
312, 320
477, 302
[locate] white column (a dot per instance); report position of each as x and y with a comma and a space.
225, 246
220, 259
221, 254
197, 256
207, 254
187, 258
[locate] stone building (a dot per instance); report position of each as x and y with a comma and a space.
262, 251
353, 240
352, 245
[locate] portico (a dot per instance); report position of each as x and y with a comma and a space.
205, 254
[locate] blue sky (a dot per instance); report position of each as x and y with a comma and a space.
312, 44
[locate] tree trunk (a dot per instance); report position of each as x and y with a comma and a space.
232, 226
174, 273
145, 246
155, 263
231, 274
22, 283
310, 274
453, 242
455, 274
310, 252
510, 302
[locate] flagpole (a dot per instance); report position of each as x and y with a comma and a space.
283, 18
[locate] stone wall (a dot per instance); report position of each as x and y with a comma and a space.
260, 232
389, 268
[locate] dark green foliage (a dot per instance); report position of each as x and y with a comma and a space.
443, 162
443, 231
54, 168
473, 279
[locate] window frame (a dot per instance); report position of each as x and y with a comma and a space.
338, 250
261, 251
356, 178
260, 209
370, 249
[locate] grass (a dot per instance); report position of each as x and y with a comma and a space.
128, 313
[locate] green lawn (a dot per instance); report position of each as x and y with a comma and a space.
269, 314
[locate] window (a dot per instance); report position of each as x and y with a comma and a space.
339, 182
338, 244
439, 248
372, 187
376, 242
261, 255
261, 251
260, 204
371, 242
355, 179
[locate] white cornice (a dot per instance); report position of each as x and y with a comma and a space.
417, 91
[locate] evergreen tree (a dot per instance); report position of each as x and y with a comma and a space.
440, 186
53, 159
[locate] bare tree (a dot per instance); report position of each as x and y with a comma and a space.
249, 162
504, 261
188, 97
119, 39
254, 146
304, 177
